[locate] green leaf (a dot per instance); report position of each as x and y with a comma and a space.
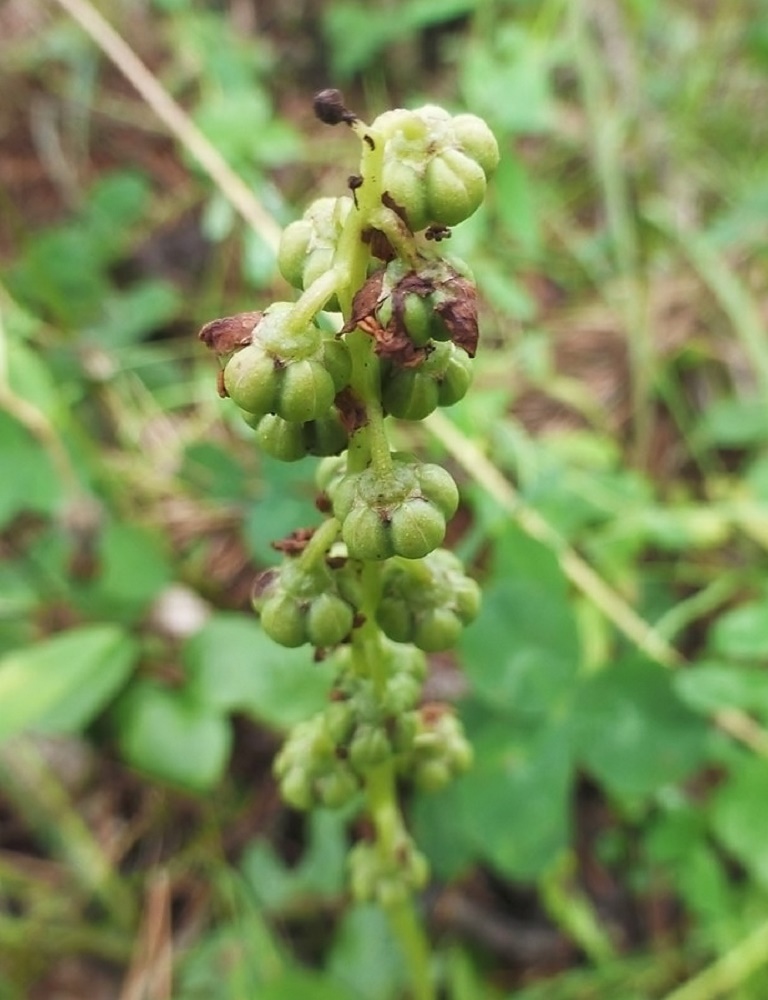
633, 732
59, 685
134, 569
33, 485
232, 665
320, 873
166, 735
742, 632
506, 80
132, 314
365, 956
295, 983
287, 501
357, 32
739, 815
735, 423
522, 652
710, 686
514, 805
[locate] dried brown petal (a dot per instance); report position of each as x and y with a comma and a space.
229, 333
351, 410
294, 543
458, 310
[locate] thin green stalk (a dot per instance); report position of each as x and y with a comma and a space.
390, 831
607, 131
734, 297
38, 795
729, 972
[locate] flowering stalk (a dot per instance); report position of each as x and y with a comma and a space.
371, 589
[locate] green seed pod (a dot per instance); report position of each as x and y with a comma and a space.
308, 245
455, 187
306, 392
428, 603
328, 620
476, 140
339, 721
404, 514
404, 184
437, 629
296, 789
401, 694
441, 380
366, 535
370, 746
416, 527
298, 606
251, 379
337, 787
281, 439
282, 618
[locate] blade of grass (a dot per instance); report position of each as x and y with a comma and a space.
174, 118
642, 634
733, 296
726, 974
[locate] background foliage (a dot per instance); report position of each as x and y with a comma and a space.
612, 839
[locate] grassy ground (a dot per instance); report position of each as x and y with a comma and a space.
613, 459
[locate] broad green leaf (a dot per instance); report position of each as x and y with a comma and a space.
522, 652
167, 735
60, 684
632, 731
735, 423
232, 665
514, 805
742, 632
134, 568
506, 80
711, 686
321, 871
287, 501
739, 815
365, 957
132, 314
33, 485
295, 983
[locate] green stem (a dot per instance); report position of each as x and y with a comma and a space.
391, 834
314, 298
319, 543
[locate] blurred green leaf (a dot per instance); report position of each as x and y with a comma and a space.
505, 79
33, 485
286, 502
735, 423
739, 816
365, 957
522, 652
171, 737
60, 684
320, 873
357, 32
514, 806
132, 568
711, 686
632, 731
232, 665
742, 632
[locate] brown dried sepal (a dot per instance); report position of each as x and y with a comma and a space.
432, 711
295, 543
230, 333
390, 341
456, 306
351, 410
455, 302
